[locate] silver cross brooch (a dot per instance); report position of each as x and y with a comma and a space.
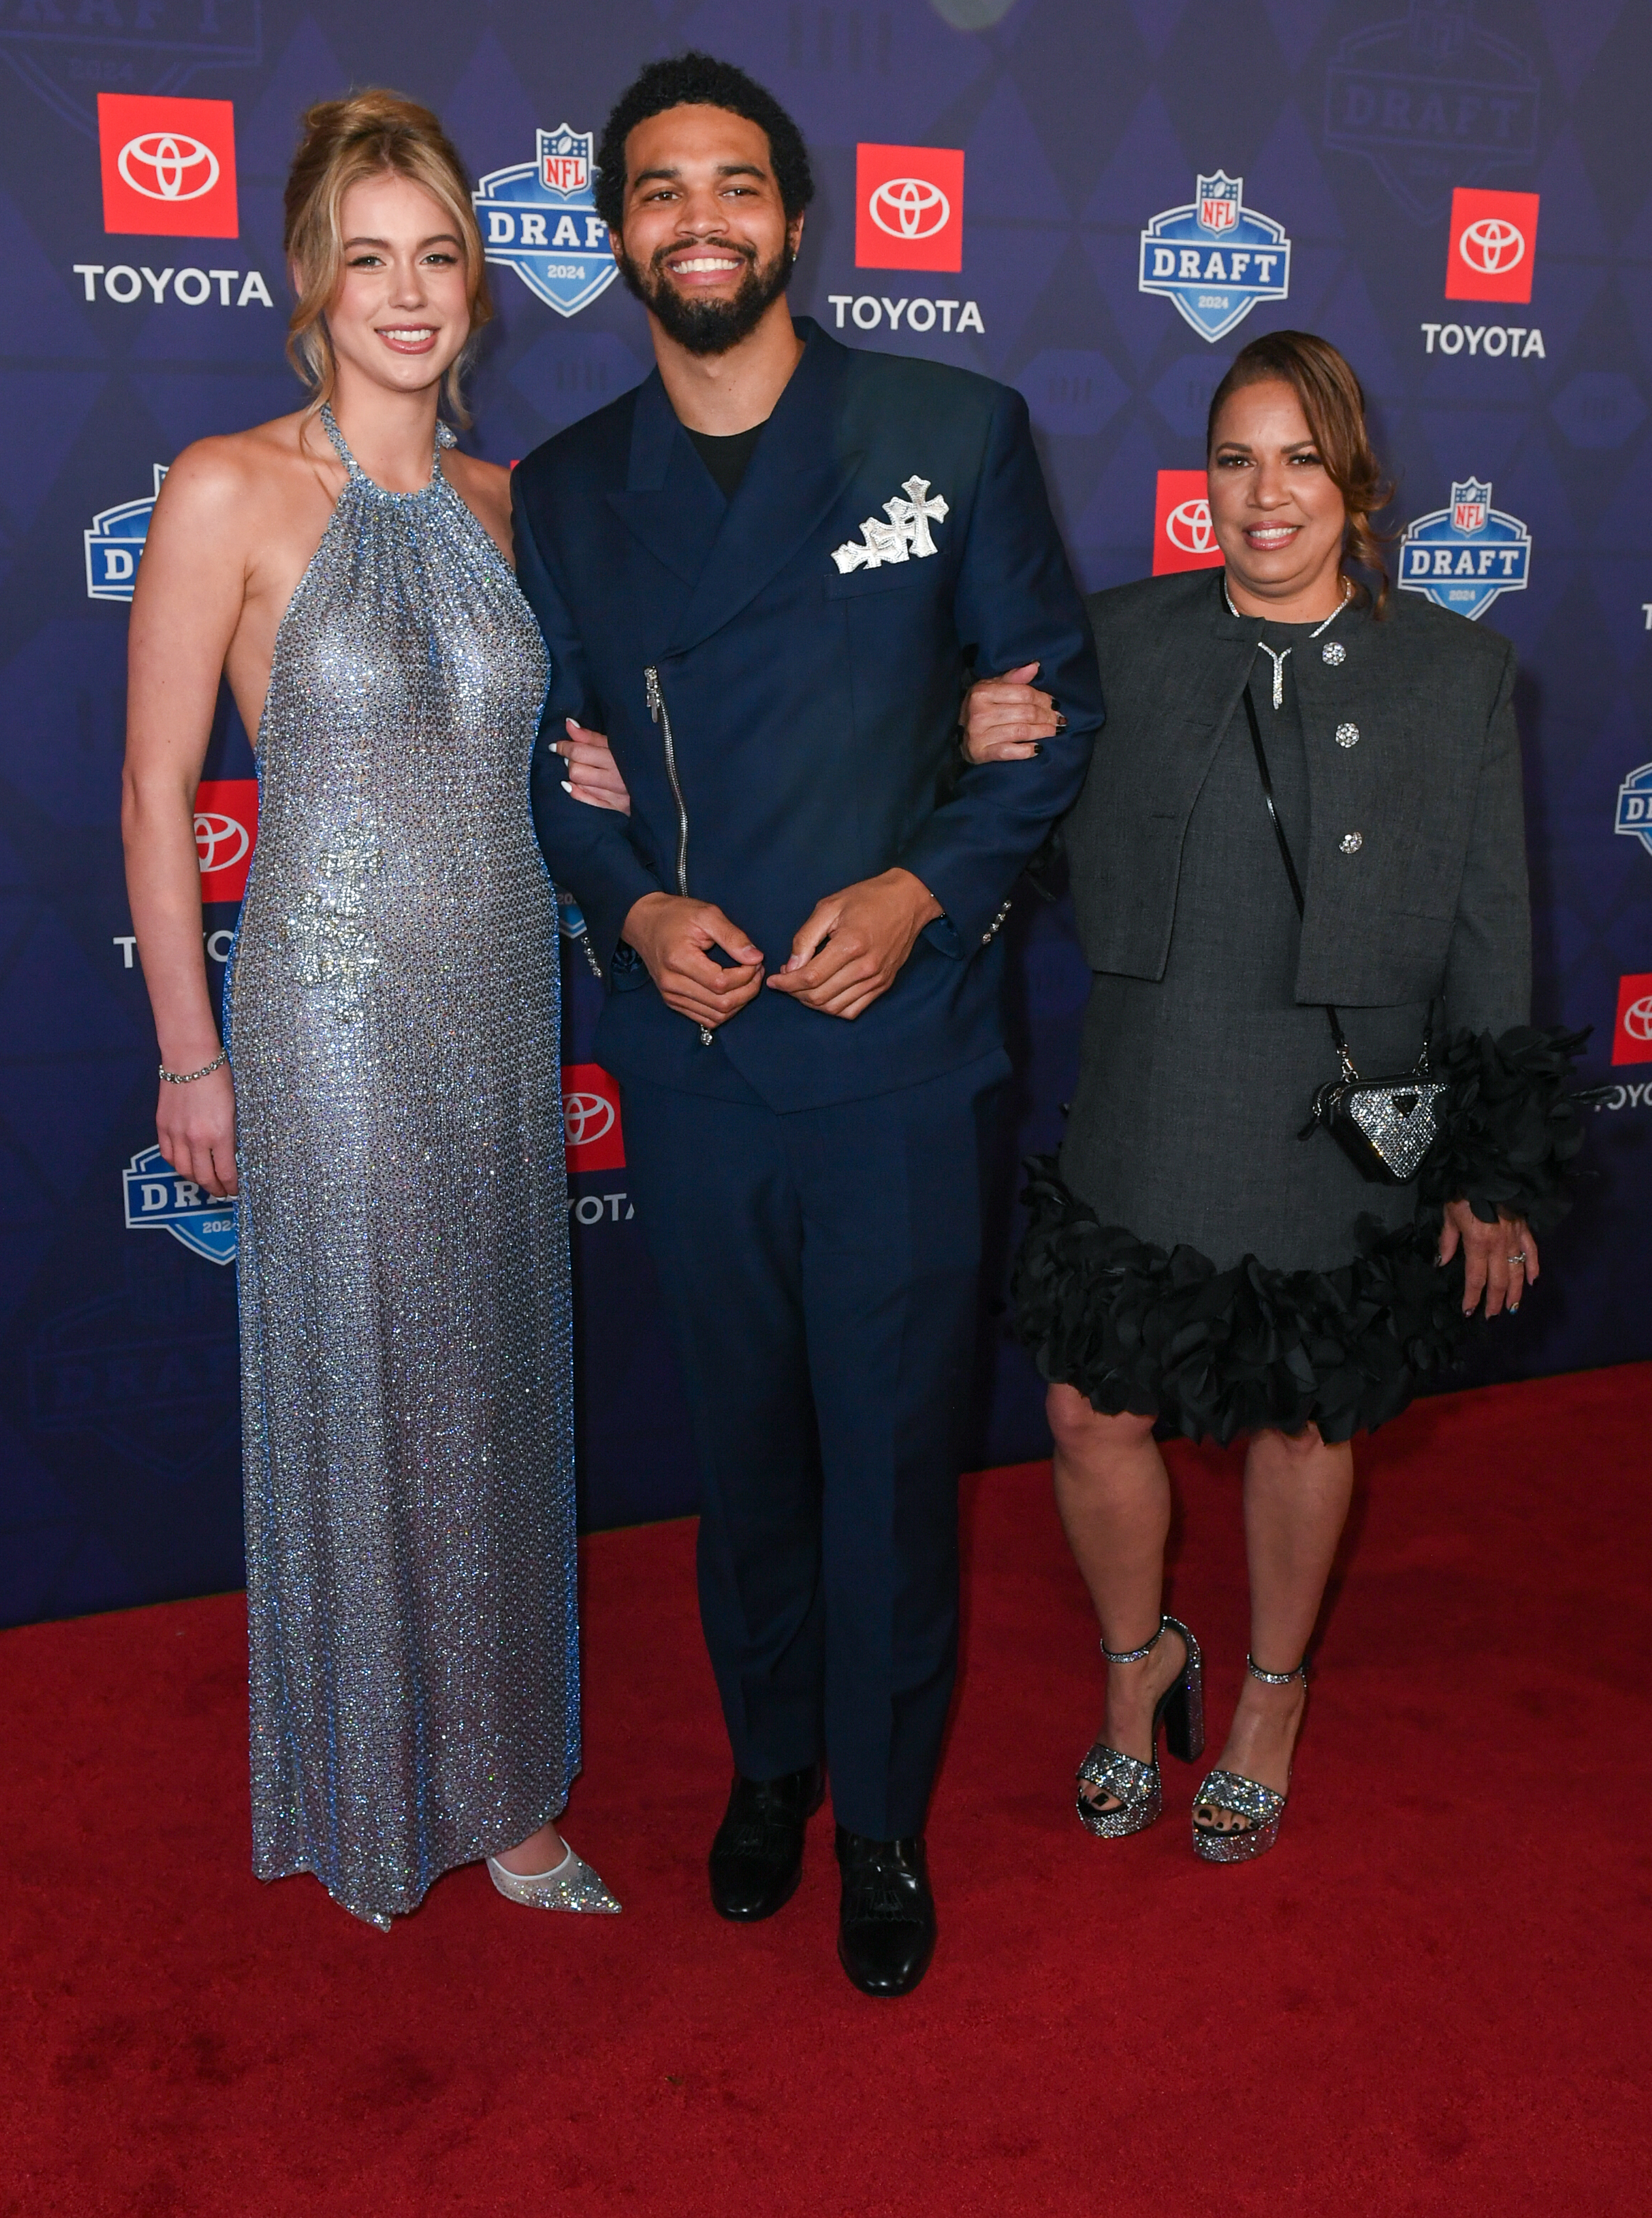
905, 537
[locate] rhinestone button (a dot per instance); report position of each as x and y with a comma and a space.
1334, 653
1348, 736
1351, 842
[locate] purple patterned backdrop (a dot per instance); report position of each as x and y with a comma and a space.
1334, 157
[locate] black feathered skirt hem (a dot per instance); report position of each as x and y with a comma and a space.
1214, 1353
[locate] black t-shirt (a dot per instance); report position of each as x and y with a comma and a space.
726, 457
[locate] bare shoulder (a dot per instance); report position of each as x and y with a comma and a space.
484, 487
239, 473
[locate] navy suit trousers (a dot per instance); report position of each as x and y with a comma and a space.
820, 1270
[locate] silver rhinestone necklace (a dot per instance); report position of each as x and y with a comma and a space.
1278, 660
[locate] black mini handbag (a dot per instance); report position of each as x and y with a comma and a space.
1386, 1125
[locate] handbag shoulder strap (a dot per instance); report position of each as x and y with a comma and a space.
1344, 1051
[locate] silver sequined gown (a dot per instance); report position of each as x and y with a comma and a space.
393, 1019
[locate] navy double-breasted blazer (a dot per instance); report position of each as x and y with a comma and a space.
798, 733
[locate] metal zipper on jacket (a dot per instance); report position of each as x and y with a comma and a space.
661, 716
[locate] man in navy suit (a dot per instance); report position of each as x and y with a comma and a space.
766, 574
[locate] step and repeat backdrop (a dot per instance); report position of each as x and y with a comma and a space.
1098, 201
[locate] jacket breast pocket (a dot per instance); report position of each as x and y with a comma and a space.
888, 578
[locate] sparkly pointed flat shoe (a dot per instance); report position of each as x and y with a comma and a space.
1260, 1807
1134, 1784
570, 1885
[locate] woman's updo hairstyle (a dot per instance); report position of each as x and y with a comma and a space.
369, 135
1334, 405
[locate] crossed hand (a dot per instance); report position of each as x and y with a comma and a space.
849, 950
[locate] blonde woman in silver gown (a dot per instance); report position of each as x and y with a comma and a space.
386, 1100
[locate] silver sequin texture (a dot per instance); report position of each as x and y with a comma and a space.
572, 1886
1134, 1786
1399, 1122
1239, 1797
404, 1291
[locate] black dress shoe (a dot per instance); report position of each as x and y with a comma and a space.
757, 1857
887, 1928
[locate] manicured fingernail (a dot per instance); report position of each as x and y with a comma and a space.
1514, 1309
1061, 724
566, 786
1037, 748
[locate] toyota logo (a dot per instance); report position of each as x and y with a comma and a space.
1637, 1019
1189, 527
586, 1116
163, 166
219, 841
1492, 246
910, 208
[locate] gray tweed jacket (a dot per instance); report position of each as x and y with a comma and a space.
1415, 873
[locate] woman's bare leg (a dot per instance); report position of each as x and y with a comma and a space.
1114, 1495
1296, 1496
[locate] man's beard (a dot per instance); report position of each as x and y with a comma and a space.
709, 326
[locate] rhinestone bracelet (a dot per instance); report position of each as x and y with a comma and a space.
189, 1077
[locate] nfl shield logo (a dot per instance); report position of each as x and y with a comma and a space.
1470, 504
539, 219
565, 160
1219, 202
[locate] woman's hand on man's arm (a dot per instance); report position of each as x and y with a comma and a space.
593, 774
1006, 719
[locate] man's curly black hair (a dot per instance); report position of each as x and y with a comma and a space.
695, 80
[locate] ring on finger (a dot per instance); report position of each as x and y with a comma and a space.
1519, 1259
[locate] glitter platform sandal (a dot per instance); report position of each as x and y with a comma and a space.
570, 1885
1260, 1806
1135, 1786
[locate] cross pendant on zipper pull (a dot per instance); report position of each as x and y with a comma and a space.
1278, 662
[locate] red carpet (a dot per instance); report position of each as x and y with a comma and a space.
1432, 1998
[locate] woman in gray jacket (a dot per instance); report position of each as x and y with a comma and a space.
1191, 1263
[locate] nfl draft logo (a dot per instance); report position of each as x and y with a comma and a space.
1465, 555
158, 1200
1215, 257
1429, 96
538, 217
1635, 806
115, 542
